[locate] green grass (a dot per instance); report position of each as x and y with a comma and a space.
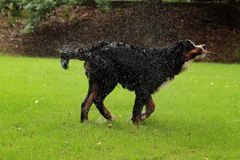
197, 115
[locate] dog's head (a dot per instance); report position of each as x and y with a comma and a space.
191, 51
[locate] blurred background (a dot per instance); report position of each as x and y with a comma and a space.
40, 27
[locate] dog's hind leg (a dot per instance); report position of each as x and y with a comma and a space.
102, 109
98, 101
141, 99
150, 107
92, 91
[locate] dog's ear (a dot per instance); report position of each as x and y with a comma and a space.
176, 48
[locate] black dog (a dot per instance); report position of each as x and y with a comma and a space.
142, 70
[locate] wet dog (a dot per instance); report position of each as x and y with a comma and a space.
142, 70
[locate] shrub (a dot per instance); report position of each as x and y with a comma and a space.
31, 12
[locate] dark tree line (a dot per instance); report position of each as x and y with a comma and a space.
33, 11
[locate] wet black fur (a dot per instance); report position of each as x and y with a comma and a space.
142, 70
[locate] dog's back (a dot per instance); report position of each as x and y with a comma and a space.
132, 67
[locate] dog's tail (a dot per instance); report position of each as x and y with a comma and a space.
79, 53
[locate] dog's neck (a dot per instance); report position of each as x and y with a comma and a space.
175, 62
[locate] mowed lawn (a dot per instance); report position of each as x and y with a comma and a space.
197, 115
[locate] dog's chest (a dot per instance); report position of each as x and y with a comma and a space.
168, 79
185, 66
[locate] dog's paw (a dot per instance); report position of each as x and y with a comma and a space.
143, 117
113, 118
136, 120
85, 121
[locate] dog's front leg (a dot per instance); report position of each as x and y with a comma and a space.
150, 107
141, 99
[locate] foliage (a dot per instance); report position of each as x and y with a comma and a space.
34, 11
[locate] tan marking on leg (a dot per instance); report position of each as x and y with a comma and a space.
150, 107
107, 114
88, 103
